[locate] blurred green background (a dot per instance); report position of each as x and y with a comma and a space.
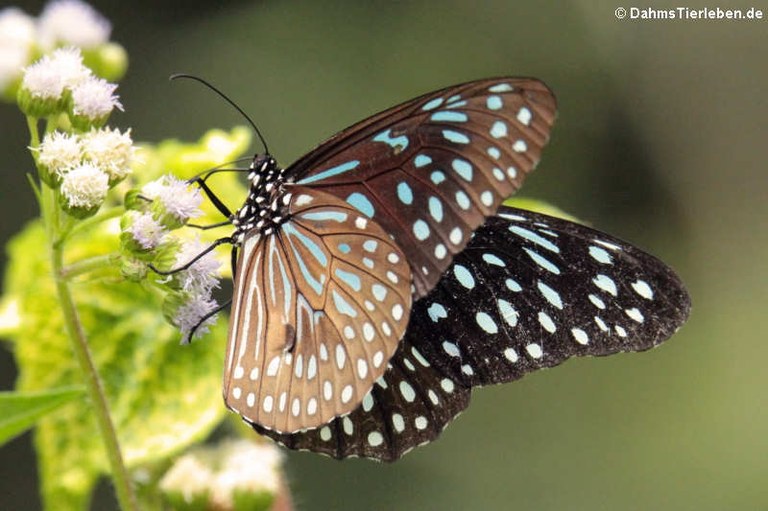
661, 140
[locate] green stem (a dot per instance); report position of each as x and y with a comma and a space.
74, 328
87, 266
98, 398
101, 216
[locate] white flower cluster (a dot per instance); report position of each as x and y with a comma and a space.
88, 164
62, 23
61, 72
176, 197
166, 204
218, 473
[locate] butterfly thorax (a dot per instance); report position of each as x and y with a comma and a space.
264, 208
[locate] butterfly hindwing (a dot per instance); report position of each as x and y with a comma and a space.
531, 291
319, 307
528, 292
431, 170
407, 407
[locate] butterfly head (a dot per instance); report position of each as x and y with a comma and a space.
267, 199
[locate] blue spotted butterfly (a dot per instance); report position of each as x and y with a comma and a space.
377, 281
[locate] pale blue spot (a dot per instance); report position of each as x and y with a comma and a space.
457, 104
550, 294
310, 245
493, 102
350, 279
605, 283
512, 285
437, 177
494, 153
464, 276
486, 322
379, 292
342, 305
436, 209
333, 171
455, 137
368, 262
454, 98
534, 238
315, 284
421, 230
463, 200
449, 116
600, 255
498, 174
422, 160
344, 248
321, 216
542, 261
432, 104
437, 312
547, 322
499, 129
492, 259
370, 245
396, 143
508, 313
464, 169
361, 203
404, 193
501, 87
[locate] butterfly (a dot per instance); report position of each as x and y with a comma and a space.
379, 278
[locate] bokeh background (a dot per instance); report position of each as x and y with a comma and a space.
661, 140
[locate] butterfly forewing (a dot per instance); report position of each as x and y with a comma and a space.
431, 170
529, 291
319, 307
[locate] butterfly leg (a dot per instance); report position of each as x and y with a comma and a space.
210, 248
223, 209
188, 338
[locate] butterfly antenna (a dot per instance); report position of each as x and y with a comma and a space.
224, 96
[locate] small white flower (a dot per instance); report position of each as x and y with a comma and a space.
85, 186
73, 22
110, 150
17, 28
246, 467
188, 476
189, 314
60, 152
176, 196
12, 62
225, 470
43, 80
17, 38
201, 277
68, 63
94, 98
146, 230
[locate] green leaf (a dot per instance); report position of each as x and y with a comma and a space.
539, 206
163, 396
19, 411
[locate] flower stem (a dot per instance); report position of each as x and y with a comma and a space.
87, 265
98, 398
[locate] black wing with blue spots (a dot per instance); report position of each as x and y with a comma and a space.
430, 170
528, 292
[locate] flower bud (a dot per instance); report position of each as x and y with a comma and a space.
83, 190
92, 102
